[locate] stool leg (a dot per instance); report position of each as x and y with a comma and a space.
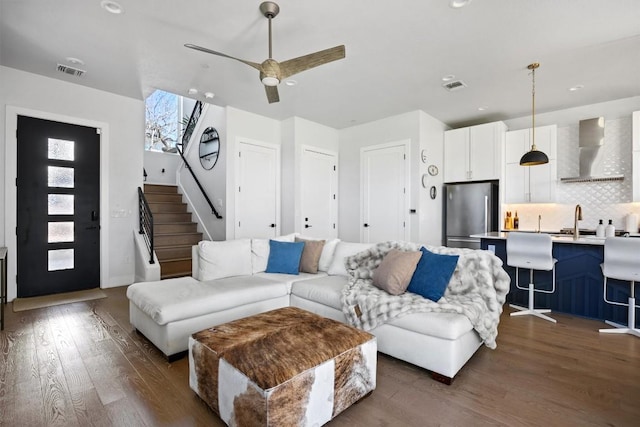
531, 310
630, 328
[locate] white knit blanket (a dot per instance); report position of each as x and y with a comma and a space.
477, 289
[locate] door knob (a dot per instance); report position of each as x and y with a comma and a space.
307, 226
272, 225
366, 225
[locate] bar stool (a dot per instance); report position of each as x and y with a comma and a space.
532, 251
622, 262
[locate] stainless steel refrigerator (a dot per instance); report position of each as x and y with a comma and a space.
470, 208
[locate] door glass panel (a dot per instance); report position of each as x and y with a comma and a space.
60, 259
60, 204
60, 232
60, 177
60, 149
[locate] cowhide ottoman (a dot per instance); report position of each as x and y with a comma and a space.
285, 367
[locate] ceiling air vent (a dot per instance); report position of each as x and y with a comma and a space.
70, 70
455, 85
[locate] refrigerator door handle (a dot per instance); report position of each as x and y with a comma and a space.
486, 214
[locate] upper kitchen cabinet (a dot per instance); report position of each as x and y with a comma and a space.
530, 184
473, 153
635, 167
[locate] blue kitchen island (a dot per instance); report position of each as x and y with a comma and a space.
579, 280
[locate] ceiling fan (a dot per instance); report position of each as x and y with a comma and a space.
273, 72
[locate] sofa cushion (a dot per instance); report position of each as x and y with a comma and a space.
344, 250
450, 326
310, 255
224, 259
432, 274
185, 297
284, 257
324, 290
260, 252
289, 279
395, 271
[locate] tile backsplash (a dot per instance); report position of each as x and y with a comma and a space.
599, 200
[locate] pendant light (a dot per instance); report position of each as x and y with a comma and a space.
533, 157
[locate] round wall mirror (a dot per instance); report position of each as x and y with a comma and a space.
209, 148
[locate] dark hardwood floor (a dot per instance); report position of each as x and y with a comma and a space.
82, 364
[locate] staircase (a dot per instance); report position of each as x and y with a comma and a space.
173, 231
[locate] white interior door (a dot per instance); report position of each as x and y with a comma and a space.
258, 198
384, 190
319, 199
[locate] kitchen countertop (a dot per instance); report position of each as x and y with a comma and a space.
584, 240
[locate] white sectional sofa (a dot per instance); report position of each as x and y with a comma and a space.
167, 312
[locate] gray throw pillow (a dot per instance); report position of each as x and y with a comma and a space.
310, 255
394, 272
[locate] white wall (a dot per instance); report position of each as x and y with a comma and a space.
424, 132
161, 167
122, 122
296, 133
214, 180
244, 126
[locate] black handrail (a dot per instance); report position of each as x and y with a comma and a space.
146, 223
197, 110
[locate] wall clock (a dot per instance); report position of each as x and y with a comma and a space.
433, 170
209, 148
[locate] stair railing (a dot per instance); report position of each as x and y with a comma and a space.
146, 223
195, 115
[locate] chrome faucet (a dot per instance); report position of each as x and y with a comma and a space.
577, 217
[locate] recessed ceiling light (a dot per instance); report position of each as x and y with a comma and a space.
193, 91
111, 7
448, 78
457, 4
576, 87
291, 82
482, 108
74, 61
209, 95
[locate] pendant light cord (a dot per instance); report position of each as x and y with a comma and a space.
533, 105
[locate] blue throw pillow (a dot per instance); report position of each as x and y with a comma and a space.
284, 257
432, 274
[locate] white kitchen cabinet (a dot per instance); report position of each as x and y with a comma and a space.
635, 166
530, 184
474, 153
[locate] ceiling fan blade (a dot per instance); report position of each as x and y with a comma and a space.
272, 94
213, 52
302, 63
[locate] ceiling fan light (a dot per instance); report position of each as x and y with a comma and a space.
270, 81
534, 158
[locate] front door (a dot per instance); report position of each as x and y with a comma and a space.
58, 200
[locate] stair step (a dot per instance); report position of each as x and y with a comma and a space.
175, 268
156, 188
173, 239
164, 207
163, 198
173, 252
165, 217
175, 227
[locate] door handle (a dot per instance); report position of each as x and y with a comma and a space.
366, 225
307, 226
272, 225
94, 216
93, 227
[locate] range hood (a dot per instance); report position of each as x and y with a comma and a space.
589, 145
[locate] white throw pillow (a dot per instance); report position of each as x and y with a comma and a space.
224, 259
260, 251
344, 250
327, 252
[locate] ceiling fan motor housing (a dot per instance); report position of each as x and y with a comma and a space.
270, 72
